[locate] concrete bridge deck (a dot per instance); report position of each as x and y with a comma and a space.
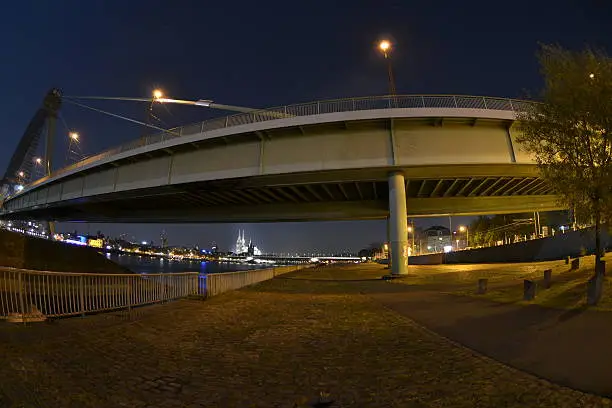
276, 344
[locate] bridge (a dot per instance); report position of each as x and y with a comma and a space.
359, 158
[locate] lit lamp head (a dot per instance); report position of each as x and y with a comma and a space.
462, 228
158, 94
38, 160
592, 76
74, 136
21, 174
385, 47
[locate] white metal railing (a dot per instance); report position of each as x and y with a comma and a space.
218, 283
307, 109
27, 295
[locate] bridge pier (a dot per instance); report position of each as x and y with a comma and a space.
398, 224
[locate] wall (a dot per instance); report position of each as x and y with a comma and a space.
574, 243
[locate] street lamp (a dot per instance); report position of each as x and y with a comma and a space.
385, 47
411, 231
74, 136
592, 76
158, 94
21, 174
38, 160
465, 229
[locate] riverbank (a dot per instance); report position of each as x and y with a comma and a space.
27, 252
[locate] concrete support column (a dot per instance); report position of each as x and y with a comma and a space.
398, 224
389, 242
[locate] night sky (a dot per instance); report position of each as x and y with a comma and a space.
262, 54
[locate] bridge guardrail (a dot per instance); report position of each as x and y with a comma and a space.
307, 109
27, 295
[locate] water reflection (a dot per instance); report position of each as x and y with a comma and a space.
145, 264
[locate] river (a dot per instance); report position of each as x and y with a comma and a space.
145, 264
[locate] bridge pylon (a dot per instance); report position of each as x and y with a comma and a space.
398, 224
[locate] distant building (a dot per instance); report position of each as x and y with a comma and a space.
95, 242
438, 239
164, 239
242, 248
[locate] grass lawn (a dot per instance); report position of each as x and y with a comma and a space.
568, 290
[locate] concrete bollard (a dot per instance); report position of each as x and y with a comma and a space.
594, 287
567, 260
575, 264
547, 278
529, 289
482, 286
600, 268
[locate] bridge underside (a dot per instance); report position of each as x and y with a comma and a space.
334, 195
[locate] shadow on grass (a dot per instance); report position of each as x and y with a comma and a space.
572, 313
570, 294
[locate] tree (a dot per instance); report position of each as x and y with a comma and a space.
569, 133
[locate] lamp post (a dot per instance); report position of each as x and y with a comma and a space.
74, 152
411, 231
156, 96
385, 47
465, 229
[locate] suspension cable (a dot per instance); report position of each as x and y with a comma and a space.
202, 102
119, 116
64, 122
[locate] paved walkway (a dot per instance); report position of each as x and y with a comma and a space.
277, 344
567, 347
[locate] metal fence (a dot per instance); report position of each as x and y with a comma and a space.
218, 283
308, 109
27, 295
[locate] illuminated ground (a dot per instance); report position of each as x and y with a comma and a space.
506, 282
338, 330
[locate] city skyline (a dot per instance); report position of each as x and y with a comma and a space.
281, 239
121, 51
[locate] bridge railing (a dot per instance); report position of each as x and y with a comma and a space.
308, 109
27, 295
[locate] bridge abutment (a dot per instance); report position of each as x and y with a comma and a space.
398, 224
